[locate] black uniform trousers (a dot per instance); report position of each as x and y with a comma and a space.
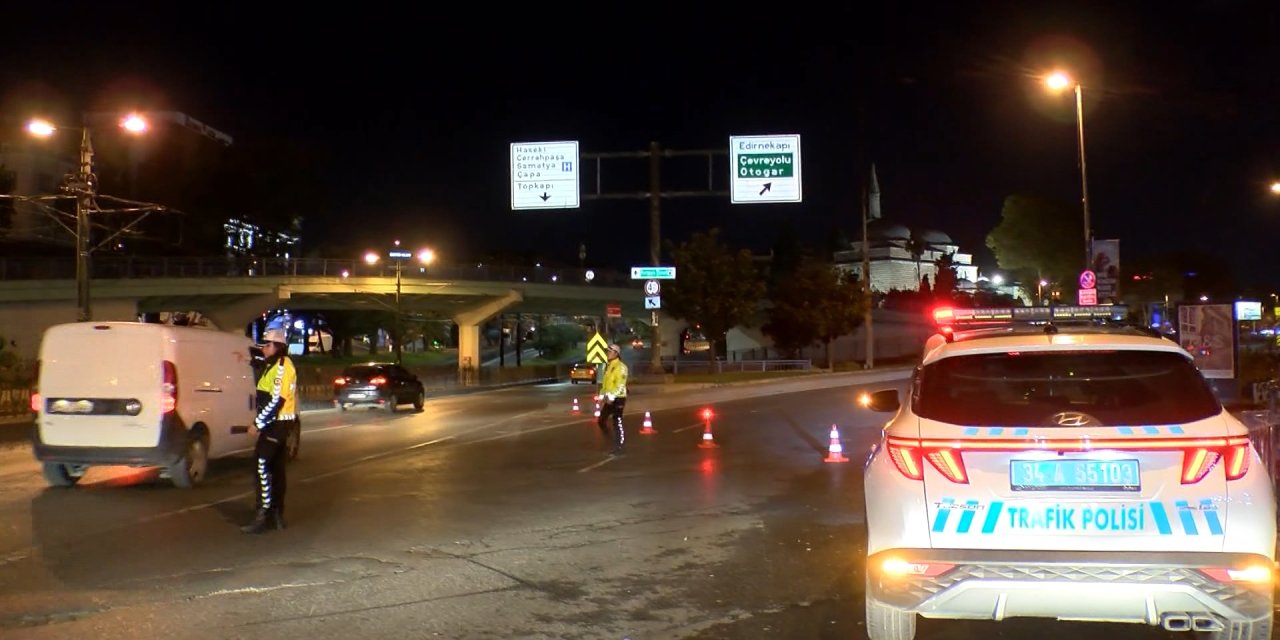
272, 454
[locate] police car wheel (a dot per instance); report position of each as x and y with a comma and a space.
887, 623
420, 401
62, 475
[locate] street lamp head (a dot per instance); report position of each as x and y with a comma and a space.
42, 128
1058, 80
1275, 187
134, 123
371, 257
997, 279
426, 256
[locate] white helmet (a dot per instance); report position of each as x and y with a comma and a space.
274, 334
615, 348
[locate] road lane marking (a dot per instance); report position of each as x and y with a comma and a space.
598, 464
687, 427
375, 456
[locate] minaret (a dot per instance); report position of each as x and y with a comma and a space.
873, 196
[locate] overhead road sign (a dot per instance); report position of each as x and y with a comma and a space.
653, 273
596, 348
764, 169
544, 175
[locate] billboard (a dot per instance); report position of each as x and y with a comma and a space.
1207, 331
1106, 264
1246, 310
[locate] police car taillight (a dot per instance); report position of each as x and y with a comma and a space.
1199, 461
908, 457
897, 567
1253, 574
943, 315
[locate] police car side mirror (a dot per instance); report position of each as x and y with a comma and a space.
884, 401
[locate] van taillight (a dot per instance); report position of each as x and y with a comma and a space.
169, 388
339, 381
36, 401
378, 381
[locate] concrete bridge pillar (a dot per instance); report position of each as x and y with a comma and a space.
235, 315
469, 333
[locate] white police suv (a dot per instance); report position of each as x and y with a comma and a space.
1051, 463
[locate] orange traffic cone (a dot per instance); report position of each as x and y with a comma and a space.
576, 409
708, 440
647, 427
835, 452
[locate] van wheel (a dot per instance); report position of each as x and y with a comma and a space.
194, 464
63, 475
293, 442
420, 401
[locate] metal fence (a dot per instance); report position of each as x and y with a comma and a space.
128, 267
673, 366
1264, 424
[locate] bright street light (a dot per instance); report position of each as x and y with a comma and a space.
398, 256
1058, 81
1275, 187
84, 188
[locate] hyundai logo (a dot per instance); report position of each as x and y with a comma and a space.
1072, 419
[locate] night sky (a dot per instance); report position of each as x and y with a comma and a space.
395, 122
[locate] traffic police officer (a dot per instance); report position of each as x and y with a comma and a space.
613, 393
277, 418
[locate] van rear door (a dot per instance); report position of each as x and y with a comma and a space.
100, 384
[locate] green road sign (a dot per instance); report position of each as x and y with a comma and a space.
653, 273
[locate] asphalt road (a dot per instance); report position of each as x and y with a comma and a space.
491, 515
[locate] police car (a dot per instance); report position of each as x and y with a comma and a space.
1053, 463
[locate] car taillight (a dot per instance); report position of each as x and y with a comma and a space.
339, 381
378, 381
1199, 461
1253, 574
908, 456
169, 388
36, 401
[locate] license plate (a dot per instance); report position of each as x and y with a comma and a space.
1074, 475
355, 395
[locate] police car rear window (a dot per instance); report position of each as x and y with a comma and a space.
1029, 388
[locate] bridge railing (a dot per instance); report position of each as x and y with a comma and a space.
123, 267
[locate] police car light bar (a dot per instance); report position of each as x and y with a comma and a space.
1007, 315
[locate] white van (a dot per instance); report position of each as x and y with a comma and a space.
143, 395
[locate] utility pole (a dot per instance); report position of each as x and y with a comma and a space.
655, 195
866, 283
84, 201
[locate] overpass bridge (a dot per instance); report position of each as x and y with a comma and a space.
36, 293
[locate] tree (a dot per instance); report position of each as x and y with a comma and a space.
8, 181
916, 245
717, 288
944, 281
1035, 239
817, 304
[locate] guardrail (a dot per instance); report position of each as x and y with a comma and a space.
722, 366
122, 267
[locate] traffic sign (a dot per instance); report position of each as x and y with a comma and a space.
652, 287
653, 273
596, 347
399, 254
764, 169
613, 310
652, 302
1088, 279
1087, 296
544, 175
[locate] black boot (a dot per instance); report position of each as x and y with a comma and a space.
277, 518
264, 521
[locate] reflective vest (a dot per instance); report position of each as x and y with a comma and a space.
615, 378
280, 384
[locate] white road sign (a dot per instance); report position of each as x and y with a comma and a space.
544, 175
764, 169
652, 287
653, 302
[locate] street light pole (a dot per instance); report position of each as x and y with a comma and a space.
399, 263
84, 200
1084, 181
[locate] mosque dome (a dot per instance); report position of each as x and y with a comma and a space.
881, 230
933, 236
